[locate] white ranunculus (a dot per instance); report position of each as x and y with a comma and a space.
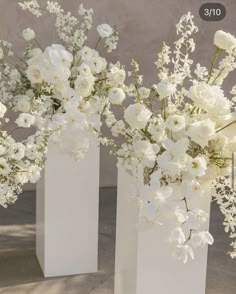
200, 239
146, 152
137, 116
34, 74
197, 166
84, 69
175, 123
25, 120
116, 76
165, 89
4, 167
201, 132
224, 40
97, 64
17, 151
86, 53
116, 96
84, 85
105, 30
23, 103
28, 34
3, 110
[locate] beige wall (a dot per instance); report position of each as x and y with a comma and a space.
143, 25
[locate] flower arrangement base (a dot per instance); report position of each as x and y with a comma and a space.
144, 263
67, 214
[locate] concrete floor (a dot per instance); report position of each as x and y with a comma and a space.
20, 272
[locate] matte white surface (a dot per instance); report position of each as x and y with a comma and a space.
144, 264
67, 214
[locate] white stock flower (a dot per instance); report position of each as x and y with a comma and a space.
25, 120
197, 166
175, 123
4, 167
3, 110
84, 85
28, 34
200, 239
23, 103
165, 89
224, 40
116, 96
105, 30
201, 132
146, 152
17, 151
137, 116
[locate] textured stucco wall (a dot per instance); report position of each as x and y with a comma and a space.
143, 26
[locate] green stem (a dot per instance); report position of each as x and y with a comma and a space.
233, 122
215, 57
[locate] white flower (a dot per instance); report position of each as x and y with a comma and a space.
97, 64
34, 74
28, 34
84, 85
4, 167
34, 173
23, 103
137, 116
200, 239
58, 55
175, 123
202, 132
116, 76
195, 218
177, 236
116, 96
25, 120
105, 30
181, 215
144, 92
17, 151
165, 89
84, 69
224, 40
146, 152
3, 110
197, 166
183, 252
34, 56
210, 98
191, 188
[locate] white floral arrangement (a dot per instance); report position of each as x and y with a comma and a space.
181, 131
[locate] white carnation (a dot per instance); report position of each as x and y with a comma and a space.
224, 40
25, 120
17, 151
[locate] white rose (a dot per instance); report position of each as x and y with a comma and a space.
175, 123
84, 69
165, 89
97, 64
224, 40
202, 132
23, 103
25, 120
116, 96
137, 116
28, 34
58, 55
105, 30
84, 85
3, 110
35, 74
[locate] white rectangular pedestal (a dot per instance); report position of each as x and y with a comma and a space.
67, 214
144, 264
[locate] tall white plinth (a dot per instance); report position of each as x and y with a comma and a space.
67, 214
144, 264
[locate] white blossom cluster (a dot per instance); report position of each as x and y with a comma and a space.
59, 90
180, 131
